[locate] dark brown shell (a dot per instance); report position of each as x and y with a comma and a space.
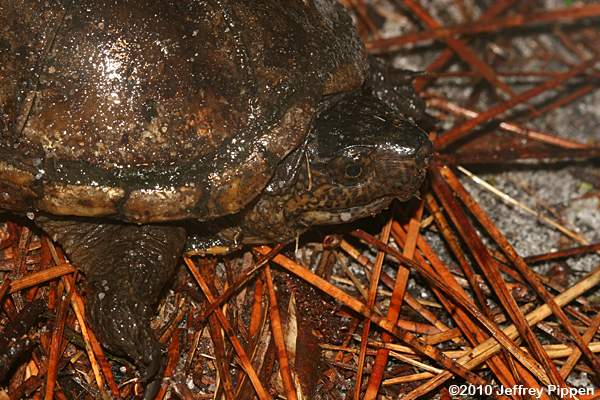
161, 110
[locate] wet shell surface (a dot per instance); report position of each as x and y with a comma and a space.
148, 111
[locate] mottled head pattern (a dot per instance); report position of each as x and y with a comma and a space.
360, 155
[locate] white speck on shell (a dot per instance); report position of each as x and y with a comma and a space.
345, 216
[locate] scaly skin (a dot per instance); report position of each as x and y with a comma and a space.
126, 268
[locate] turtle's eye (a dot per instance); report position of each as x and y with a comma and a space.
353, 170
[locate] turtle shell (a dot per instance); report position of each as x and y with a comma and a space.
158, 110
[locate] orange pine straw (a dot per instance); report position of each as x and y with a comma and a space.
470, 329
173, 357
461, 49
476, 356
257, 321
521, 266
240, 281
256, 310
99, 353
218, 340
543, 137
55, 347
216, 335
359, 307
79, 309
495, 9
492, 273
587, 338
284, 362
410, 301
40, 277
239, 349
393, 314
4, 288
568, 14
465, 128
448, 291
372, 296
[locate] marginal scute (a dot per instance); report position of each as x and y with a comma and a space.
345, 79
16, 198
233, 187
295, 119
9, 173
157, 205
231, 192
82, 201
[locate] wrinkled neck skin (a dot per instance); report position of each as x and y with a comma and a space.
357, 159
282, 218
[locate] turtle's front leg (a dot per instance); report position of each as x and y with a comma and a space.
126, 268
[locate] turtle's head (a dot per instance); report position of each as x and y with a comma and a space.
360, 157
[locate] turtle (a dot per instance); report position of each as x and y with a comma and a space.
134, 130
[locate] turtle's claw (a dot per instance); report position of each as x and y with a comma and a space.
152, 389
153, 375
154, 364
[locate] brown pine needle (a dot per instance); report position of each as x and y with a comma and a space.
508, 126
576, 353
569, 15
173, 357
92, 346
372, 296
277, 329
553, 350
490, 347
37, 278
408, 378
241, 281
465, 128
359, 307
571, 252
470, 329
223, 375
520, 264
416, 305
497, 283
495, 9
4, 288
402, 275
56, 347
524, 358
460, 47
239, 349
